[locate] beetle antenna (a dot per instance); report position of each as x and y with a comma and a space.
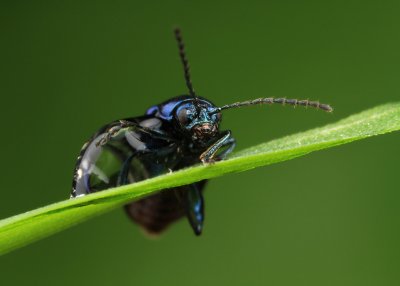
185, 63
283, 101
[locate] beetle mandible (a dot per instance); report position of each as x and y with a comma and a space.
175, 134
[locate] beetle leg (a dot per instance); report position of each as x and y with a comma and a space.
111, 132
195, 208
226, 140
122, 124
156, 134
123, 174
231, 143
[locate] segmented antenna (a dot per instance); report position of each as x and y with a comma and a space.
283, 101
185, 63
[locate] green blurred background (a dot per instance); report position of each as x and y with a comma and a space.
330, 218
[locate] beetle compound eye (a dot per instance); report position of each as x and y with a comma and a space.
185, 116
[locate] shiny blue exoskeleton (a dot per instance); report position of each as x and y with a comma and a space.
171, 136
175, 134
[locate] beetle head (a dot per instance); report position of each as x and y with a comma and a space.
200, 118
197, 119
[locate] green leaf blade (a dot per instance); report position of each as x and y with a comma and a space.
20, 230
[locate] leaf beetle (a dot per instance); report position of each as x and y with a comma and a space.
175, 134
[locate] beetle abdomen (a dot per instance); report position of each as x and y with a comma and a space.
155, 213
